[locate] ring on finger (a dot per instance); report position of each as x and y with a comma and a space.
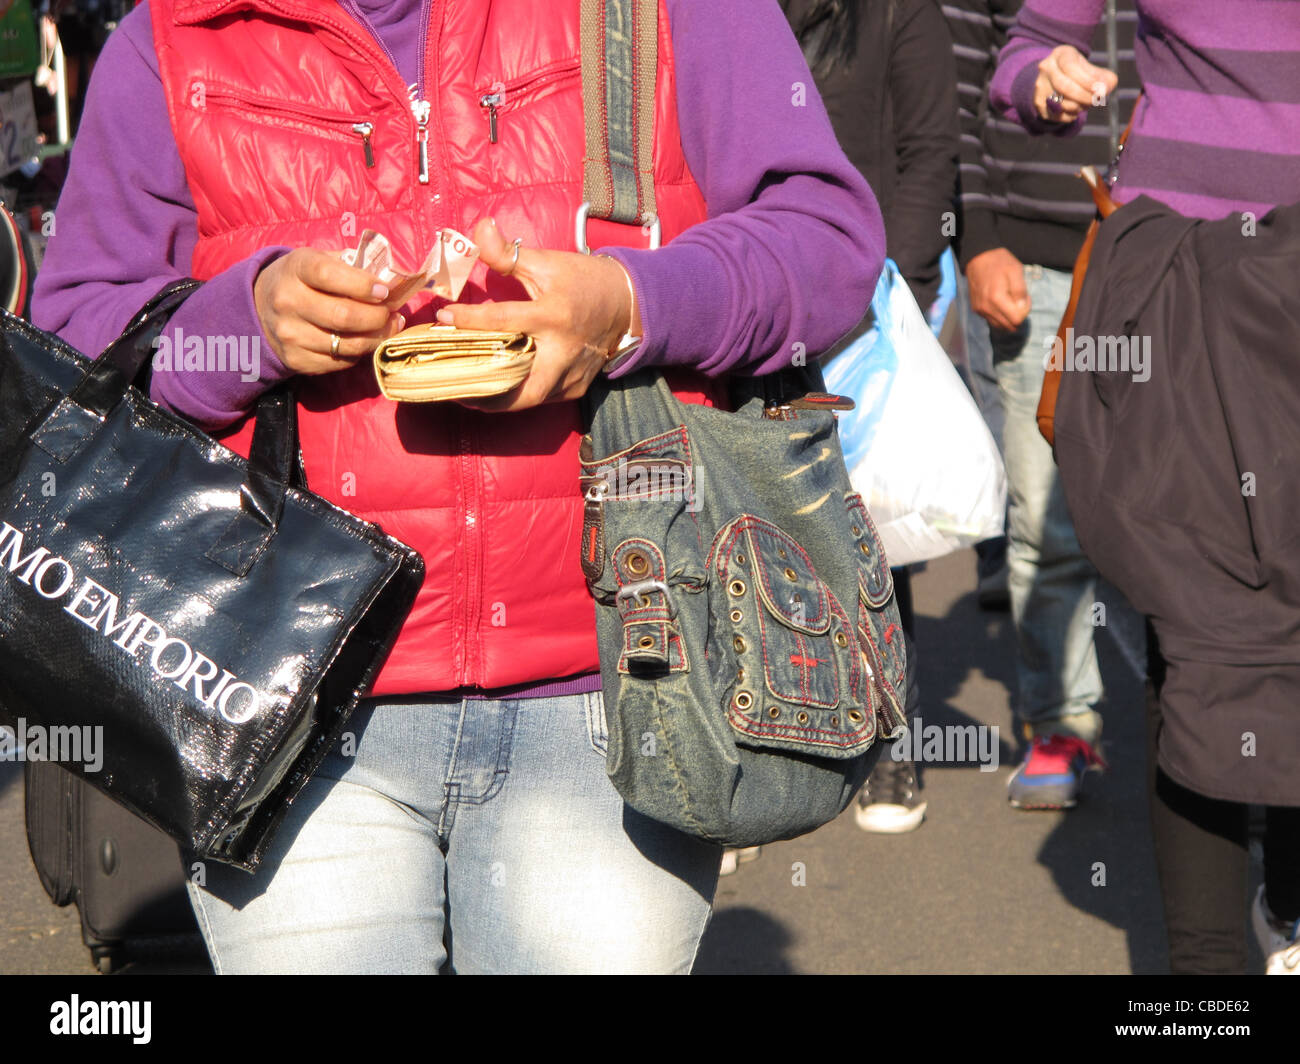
335, 340
1054, 103
514, 262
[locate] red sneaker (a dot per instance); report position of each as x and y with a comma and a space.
1052, 773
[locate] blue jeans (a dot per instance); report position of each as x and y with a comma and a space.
1053, 585
484, 829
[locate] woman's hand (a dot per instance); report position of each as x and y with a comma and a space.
307, 297
1078, 84
580, 309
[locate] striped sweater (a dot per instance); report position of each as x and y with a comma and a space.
1019, 191
1218, 132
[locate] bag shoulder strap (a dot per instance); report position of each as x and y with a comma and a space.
1100, 188
620, 66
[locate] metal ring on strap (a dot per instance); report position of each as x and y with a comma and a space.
640, 590
580, 230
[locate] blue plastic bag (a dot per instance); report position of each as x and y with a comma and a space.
865, 371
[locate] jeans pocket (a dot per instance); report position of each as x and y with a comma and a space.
597, 728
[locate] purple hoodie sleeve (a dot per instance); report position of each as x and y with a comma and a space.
125, 226
794, 242
1041, 26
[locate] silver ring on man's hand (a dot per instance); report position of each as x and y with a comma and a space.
1054, 103
514, 263
335, 340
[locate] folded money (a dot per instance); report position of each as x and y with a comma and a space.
435, 363
445, 269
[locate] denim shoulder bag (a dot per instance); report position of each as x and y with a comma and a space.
751, 651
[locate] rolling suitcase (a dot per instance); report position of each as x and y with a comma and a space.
125, 877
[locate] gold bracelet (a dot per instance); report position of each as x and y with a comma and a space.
628, 338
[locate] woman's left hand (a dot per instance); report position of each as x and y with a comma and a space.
580, 309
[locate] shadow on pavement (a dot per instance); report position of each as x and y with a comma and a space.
1100, 853
743, 940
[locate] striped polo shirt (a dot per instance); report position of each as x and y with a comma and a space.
1218, 130
1019, 191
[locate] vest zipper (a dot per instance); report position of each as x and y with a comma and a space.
420, 109
492, 101
326, 124
365, 129
504, 95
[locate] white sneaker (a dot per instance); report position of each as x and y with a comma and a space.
733, 859
890, 802
1279, 942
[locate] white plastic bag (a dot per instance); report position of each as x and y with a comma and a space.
916, 446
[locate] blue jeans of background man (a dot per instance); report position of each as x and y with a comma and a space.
489, 826
1053, 585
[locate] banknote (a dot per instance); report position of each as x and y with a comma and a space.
446, 268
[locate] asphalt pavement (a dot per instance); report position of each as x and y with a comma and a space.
978, 888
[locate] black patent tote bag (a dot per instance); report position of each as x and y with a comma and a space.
185, 629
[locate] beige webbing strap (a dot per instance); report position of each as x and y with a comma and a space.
620, 64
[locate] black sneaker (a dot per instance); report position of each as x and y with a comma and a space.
890, 802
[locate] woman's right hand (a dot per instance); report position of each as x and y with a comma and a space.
1079, 84
307, 297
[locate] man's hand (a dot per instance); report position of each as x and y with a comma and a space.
997, 289
1079, 84
580, 308
306, 297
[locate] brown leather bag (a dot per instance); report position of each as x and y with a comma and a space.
1106, 206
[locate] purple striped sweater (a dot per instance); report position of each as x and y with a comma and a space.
1218, 132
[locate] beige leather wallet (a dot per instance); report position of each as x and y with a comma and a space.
436, 363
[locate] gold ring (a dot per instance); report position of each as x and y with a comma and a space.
335, 340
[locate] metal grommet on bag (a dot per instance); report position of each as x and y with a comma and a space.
841, 640
790, 574
737, 587
855, 716
773, 712
744, 700
646, 642
739, 644
802, 718
736, 616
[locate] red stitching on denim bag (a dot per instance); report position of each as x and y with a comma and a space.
645, 448
764, 730
744, 523
805, 692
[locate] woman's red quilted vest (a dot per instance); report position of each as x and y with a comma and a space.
263, 96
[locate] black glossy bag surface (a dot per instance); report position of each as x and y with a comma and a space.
204, 623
